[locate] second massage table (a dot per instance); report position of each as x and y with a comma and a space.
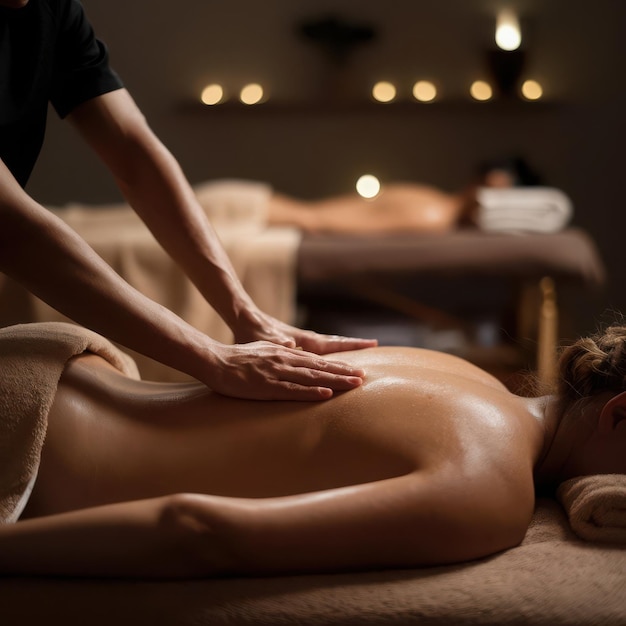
399, 271
277, 265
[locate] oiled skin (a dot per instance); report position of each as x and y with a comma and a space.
398, 208
430, 461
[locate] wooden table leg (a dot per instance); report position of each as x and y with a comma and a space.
547, 333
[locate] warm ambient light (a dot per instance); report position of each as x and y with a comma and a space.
368, 186
480, 90
384, 91
532, 90
508, 34
251, 94
424, 91
212, 94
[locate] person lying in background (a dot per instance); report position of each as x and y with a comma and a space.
399, 206
431, 461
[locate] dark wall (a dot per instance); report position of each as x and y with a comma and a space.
166, 52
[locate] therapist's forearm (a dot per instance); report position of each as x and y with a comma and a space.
161, 195
154, 185
54, 263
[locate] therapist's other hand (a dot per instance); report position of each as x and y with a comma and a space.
266, 371
263, 327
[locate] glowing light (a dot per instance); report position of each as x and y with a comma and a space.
251, 94
424, 91
368, 186
480, 90
532, 90
212, 94
384, 91
508, 34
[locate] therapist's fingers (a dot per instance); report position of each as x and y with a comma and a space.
270, 329
265, 371
325, 344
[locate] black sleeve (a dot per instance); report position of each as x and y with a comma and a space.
81, 69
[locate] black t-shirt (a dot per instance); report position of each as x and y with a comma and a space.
48, 53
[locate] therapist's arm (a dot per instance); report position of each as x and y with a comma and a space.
48, 258
154, 185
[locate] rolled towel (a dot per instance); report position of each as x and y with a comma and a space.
233, 204
526, 209
596, 506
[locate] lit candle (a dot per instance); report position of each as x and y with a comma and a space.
368, 186
508, 34
384, 91
212, 94
532, 90
251, 94
424, 91
481, 90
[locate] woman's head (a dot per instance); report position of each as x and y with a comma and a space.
592, 397
593, 365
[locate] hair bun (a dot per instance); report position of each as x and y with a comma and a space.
594, 364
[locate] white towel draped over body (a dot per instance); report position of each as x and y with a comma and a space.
524, 209
32, 359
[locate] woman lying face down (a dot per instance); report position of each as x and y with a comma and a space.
400, 207
431, 461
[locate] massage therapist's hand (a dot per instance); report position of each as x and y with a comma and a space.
266, 371
262, 327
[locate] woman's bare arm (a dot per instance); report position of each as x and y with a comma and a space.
407, 521
414, 520
140, 539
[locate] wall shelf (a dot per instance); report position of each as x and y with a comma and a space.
499, 106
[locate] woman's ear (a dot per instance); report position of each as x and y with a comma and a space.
612, 414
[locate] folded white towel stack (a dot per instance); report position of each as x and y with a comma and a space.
525, 209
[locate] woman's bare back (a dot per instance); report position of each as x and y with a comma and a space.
114, 439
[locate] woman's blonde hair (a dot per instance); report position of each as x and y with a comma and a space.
593, 364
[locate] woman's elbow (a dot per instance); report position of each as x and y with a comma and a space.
198, 536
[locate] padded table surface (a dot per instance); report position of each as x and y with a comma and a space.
570, 254
551, 579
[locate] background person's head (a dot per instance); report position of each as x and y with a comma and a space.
505, 172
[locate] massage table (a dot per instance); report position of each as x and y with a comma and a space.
400, 272
553, 578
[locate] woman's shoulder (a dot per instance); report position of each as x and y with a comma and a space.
415, 363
